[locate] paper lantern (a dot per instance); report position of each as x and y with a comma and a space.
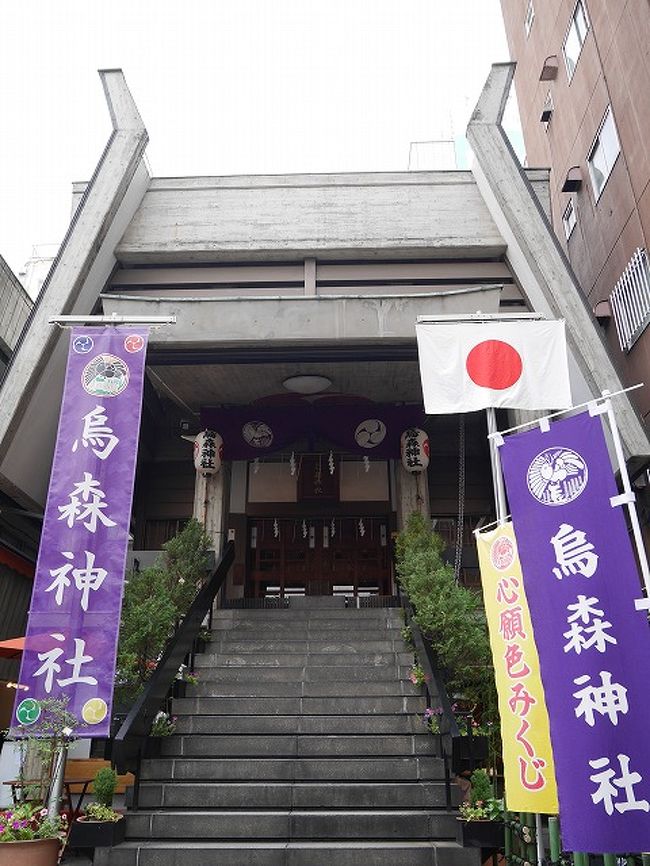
414, 447
208, 452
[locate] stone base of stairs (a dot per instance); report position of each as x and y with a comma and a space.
420, 853
301, 745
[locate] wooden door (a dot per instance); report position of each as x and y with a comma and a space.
344, 556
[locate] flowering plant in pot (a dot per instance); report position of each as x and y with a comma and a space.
184, 677
31, 833
101, 825
480, 822
163, 725
28, 837
417, 675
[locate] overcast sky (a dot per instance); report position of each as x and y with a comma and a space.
246, 86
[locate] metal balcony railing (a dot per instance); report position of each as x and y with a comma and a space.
630, 300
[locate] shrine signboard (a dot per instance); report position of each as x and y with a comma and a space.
581, 582
74, 618
527, 757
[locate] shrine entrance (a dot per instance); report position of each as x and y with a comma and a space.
344, 556
313, 493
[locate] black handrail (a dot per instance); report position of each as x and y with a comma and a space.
427, 661
433, 677
130, 740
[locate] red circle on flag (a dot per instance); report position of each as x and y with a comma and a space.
494, 364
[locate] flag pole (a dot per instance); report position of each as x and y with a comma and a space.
627, 497
495, 460
495, 440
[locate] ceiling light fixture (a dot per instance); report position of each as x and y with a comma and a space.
307, 384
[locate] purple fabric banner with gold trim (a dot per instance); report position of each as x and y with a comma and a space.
74, 618
581, 582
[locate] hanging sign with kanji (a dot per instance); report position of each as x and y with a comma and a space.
527, 757
74, 617
581, 582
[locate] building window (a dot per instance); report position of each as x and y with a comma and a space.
575, 38
630, 300
530, 17
569, 219
547, 111
603, 153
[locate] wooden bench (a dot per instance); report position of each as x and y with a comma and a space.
86, 768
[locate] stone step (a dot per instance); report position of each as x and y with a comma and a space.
414, 768
292, 795
314, 745
306, 674
349, 614
337, 641
316, 630
348, 853
386, 724
320, 706
300, 689
294, 824
340, 645
300, 660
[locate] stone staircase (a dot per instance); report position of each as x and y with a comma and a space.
301, 745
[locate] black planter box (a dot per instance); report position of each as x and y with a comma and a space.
153, 747
480, 834
179, 689
97, 834
468, 753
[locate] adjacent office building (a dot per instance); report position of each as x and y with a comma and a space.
583, 72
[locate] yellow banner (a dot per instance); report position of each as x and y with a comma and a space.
527, 755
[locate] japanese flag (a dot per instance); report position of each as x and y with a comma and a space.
467, 366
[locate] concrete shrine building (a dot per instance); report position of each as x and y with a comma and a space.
295, 299
275, 280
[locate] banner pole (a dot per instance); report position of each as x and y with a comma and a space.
500, 501
629, 499
495, 459
539, 839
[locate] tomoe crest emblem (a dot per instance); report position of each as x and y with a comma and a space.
557, 476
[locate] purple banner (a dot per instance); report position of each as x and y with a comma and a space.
372, 429
594, 647
74, 618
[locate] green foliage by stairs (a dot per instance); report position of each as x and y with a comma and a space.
155, 599
449, 615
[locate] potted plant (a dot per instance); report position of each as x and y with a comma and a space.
184, 677
100, 826
203, 639
471, 748
480, 823
163, 725
28, 837
31, 833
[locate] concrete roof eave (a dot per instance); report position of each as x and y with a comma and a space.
84, 263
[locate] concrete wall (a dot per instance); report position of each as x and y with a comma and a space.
345, 215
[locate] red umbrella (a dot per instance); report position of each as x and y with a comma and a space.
13, 648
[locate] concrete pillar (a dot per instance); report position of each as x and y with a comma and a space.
412, 494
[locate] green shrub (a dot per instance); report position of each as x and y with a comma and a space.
449, 615
481, 790
104, 786
155, 599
